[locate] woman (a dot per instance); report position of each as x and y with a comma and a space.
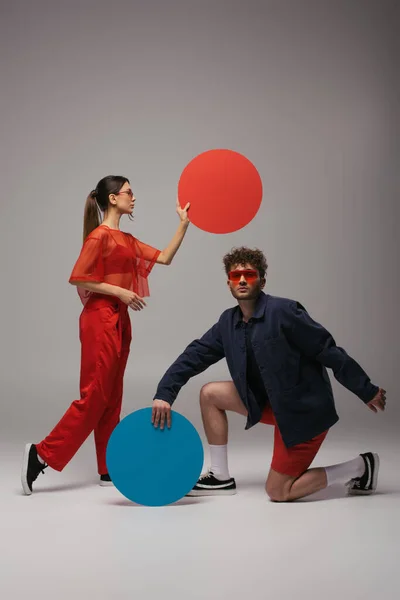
111, 274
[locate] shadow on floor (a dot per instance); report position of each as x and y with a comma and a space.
183, 502
333, 492
66, 487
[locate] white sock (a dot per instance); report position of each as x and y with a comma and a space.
219, 462
40, 459
345, 471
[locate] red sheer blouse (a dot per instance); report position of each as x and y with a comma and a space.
114, 257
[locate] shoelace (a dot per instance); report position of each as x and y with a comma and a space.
355, 482
41, 470
207, 475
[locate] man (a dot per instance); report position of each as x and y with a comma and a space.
277, 356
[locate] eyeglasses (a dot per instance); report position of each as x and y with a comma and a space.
250, 275
129, 192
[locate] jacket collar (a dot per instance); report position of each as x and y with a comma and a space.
259, 310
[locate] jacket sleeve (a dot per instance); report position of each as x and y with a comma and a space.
196, 358
318, 344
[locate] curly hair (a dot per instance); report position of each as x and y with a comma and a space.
243, 256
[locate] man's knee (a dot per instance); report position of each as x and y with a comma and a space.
278, 493
208, 393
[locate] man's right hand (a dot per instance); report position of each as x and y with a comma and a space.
161, 410
131, 299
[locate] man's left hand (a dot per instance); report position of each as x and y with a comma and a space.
379, 402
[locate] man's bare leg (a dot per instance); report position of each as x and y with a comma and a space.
215, 399
284, 488
360, 472
218, 397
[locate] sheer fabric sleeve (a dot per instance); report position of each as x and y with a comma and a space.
145, 258
90, 264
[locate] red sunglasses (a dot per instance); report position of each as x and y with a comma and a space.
129, 192
250, 275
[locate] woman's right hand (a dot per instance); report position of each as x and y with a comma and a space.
131, 299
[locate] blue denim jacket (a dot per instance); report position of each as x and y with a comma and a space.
292, 352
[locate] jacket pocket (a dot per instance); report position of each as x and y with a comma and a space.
283, 361
299, 399
299, 390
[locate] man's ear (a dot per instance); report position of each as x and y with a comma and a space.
263, 282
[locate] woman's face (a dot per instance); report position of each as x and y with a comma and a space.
124, 200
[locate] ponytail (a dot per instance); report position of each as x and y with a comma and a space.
91, 218
98, 201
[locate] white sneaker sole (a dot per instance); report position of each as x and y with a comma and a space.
24, 471
374, 480
211, 493
105, 483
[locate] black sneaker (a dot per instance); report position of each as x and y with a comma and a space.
31, 467
105, 480
209, 485
366, 484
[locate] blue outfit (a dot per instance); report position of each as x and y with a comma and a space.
280, 356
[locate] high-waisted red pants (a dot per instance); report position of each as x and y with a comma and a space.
105, 335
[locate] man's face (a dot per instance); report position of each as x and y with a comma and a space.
244, 282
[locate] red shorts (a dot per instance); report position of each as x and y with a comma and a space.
295, 460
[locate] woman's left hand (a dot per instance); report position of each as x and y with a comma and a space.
182, 212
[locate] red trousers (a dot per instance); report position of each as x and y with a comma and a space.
105, 335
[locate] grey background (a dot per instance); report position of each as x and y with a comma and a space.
307, 90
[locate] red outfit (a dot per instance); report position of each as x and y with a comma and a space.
293, 461
114, 257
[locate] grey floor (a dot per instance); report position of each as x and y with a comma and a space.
74, 539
